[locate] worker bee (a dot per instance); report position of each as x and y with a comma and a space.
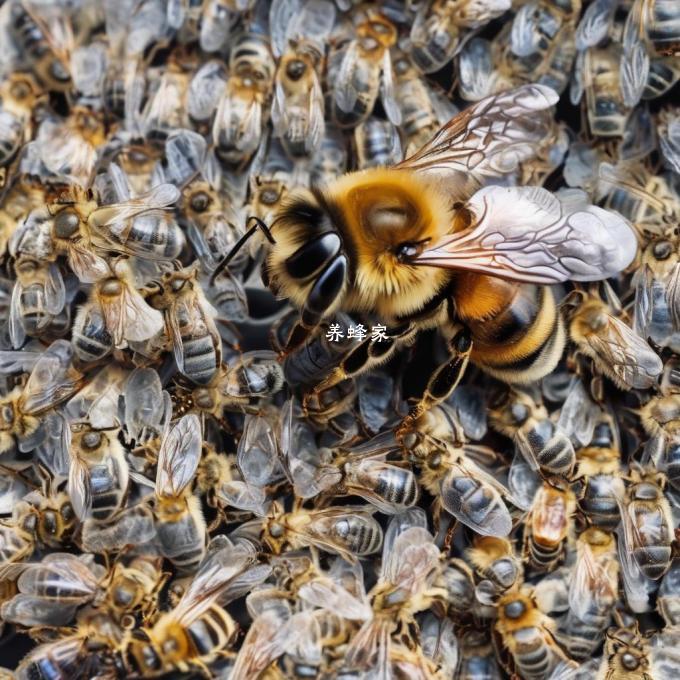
189, 323
362, 471
465, 489
668, 127
400, 593
626, 655
599, 466
243, 108
133, 525
138, 226
52, 381
436, 32
98, 472
376, 143
647, 525
364, 71
548, 526
298, 108
655, 23
38, 297
346, 530
544, 446
126, 315
667, 602
53, 590
19, 93
44, 37
497, 565
613, 346
245, 379
198, 628
43, 518
528, 635
180, 525
390, 236
593, 592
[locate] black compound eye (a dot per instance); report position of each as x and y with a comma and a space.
200, 201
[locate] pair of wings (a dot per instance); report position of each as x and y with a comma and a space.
525, 234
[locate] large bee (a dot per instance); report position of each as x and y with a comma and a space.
385, 240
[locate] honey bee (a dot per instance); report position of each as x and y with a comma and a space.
43, 35
298, 107
390, 236
346, 530
655, 22
626, 655
251, 376
647, 526
209, 223
19, 93
99, 472
376, 143
133, 525
166, 107
464, 489
242, 110
217, 479
53, 590
436, 32
544, 446
361, 69
180, 525
38, 297
198, 628
599, 465
613, 346
52, 381
528, 635
362, 471
401, 592
189, 322
593, 593
548, 527
668, 126
138, 226
497, 565
42, 518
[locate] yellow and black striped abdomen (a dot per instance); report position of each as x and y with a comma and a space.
517, 331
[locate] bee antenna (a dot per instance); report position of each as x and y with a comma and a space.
259, 224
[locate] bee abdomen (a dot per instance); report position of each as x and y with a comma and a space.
200, 359
521, 343
533, 657
362, 535
653, 560
211, 632
544, 557
399, 487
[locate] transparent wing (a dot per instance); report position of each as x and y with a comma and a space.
624, 354
586, 577
473, 497
59, 575
55, 290
30, 610
345, 92
412, 563
17, 332
490, 138
524, 36
636, 585
134, 526
387, 93
523, 234
158, 198
78, 487
673, 296
53, 379
322, 592
86, 264
595, 23
179, 456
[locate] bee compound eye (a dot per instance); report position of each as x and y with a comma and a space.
295, 69
519, 413
200, 201
276, 530
662, 250
514, 610
629, 661
91, 440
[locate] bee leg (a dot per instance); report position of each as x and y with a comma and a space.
323, 295
443, 381
366, 355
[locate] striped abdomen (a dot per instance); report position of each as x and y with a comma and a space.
517, 332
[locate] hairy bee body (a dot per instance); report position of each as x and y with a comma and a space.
527, 634
174, 647
181, 531
90, 337
346, 243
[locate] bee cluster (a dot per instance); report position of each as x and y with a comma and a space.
201, 475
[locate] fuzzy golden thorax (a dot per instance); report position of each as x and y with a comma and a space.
488, 549
383, 218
